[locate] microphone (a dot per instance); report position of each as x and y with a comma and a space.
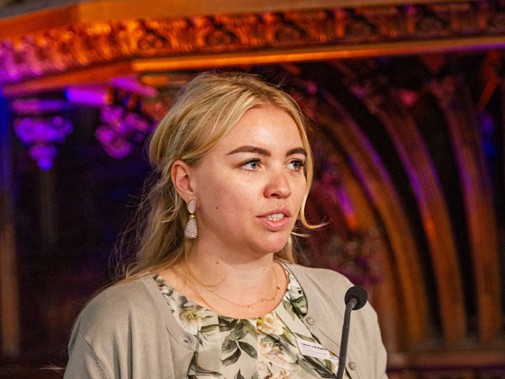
355, 298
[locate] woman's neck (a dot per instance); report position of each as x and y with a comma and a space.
236, 270
231, 287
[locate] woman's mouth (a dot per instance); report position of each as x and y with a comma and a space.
276, 221
275, 217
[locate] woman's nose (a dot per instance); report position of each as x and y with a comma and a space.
278, 186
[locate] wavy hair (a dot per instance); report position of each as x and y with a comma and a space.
204, 111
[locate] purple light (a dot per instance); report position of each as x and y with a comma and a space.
37, 106
133, 86
40, 135
44, 155
120, 130
94, 96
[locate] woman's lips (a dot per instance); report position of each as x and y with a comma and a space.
276, 221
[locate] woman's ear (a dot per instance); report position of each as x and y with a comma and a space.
181, 177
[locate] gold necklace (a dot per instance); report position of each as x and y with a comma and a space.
248, 306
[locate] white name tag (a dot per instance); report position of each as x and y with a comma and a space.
315, 350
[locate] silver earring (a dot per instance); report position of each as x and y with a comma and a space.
191, 229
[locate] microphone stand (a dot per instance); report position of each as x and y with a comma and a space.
345, 336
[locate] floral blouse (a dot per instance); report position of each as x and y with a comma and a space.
276, 345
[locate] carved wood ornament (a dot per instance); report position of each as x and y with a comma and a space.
321, 32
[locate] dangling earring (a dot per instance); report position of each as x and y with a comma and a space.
191, 230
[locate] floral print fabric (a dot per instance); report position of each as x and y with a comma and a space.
276, 345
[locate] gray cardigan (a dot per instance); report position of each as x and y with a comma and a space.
127, 331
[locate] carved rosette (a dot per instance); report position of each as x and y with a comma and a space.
82, 45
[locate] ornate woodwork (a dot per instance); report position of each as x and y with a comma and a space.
324, 31
464, 130
432, 207
374, 179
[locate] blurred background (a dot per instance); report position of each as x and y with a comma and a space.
407, 110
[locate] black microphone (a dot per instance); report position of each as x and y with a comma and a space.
355, 298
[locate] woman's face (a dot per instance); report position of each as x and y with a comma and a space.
251, 185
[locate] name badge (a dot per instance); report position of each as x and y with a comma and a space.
314, 350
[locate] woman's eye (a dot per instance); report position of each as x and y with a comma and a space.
296, 164
251, 165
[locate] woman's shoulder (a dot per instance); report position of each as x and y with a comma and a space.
127, 290
119, 303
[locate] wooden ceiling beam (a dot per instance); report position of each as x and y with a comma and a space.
191, 35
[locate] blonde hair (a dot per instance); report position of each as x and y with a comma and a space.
207, 108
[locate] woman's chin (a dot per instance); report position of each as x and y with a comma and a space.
273, 246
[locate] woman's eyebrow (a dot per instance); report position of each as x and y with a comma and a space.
297, 150
251, 149
265, 152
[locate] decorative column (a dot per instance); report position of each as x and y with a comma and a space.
9, 297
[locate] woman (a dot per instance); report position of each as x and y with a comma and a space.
214, 291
